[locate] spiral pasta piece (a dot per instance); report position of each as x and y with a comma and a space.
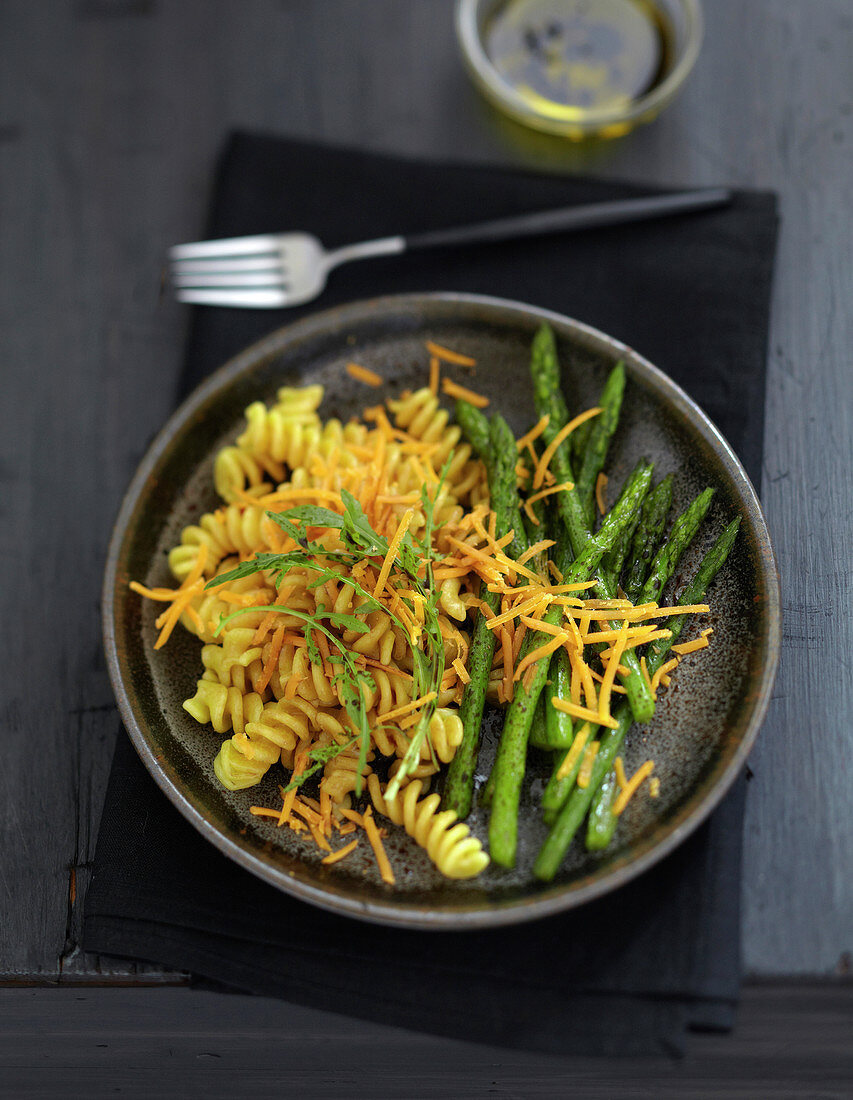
236, 471
213, 605
424, 771
448, 842
445, 731
235, 771
223, 707
341, 774
450, 601
299, 399
272, 729
238, 528
283, 722
295, 440
421, 415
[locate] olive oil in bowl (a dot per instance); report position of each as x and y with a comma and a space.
580, 67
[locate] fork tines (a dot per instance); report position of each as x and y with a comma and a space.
247, 271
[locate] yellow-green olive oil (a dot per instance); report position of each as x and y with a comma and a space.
570, 58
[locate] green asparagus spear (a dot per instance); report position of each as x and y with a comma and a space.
475, 426
645, 539
562, 832
535, 528
667, 558
559, 787
549, 401
600, 435
547, 384
601, 823
636, 687
538, 734
613, 562
505, 491
559, 728
557, 844
579, 440
560, 670
459, 786
509, 764
647, 536
663, 566
695, 591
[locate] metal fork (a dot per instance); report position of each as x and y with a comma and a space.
287, 269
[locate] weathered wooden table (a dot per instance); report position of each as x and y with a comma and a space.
110, 116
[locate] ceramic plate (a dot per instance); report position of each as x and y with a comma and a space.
705, 723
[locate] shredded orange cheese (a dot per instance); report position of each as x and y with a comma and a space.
562, 434
537, 654
536, 548
272, 660
585, 772
449, 356
628, 790
382, 860
585, 713
661, 672
610, 675
690, 647
262, 811
574, 752
434, 374
534, 433
461, 671
391, 556
288, 798
563, 487
334, 857
407, 708
178, 597
462, 393
363, 374
600, 489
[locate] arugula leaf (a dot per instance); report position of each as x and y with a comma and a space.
296, 532
321, 755
313, 516
258, 564
338, 618
357, 527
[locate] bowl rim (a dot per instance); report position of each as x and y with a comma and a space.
554, 898
505, 96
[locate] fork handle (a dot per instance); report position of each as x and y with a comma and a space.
586, 216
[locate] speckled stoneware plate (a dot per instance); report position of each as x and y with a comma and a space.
705, 723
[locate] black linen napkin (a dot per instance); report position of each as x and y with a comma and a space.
631, 972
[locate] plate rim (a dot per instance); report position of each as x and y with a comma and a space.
554, 898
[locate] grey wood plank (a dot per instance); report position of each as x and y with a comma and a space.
110, 115
790, 1042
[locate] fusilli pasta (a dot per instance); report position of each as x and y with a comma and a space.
277, 688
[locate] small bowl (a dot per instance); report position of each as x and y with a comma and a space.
681, 29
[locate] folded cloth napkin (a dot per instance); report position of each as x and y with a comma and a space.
631, 972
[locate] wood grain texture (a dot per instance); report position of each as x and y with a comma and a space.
791, 1043
111, 112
